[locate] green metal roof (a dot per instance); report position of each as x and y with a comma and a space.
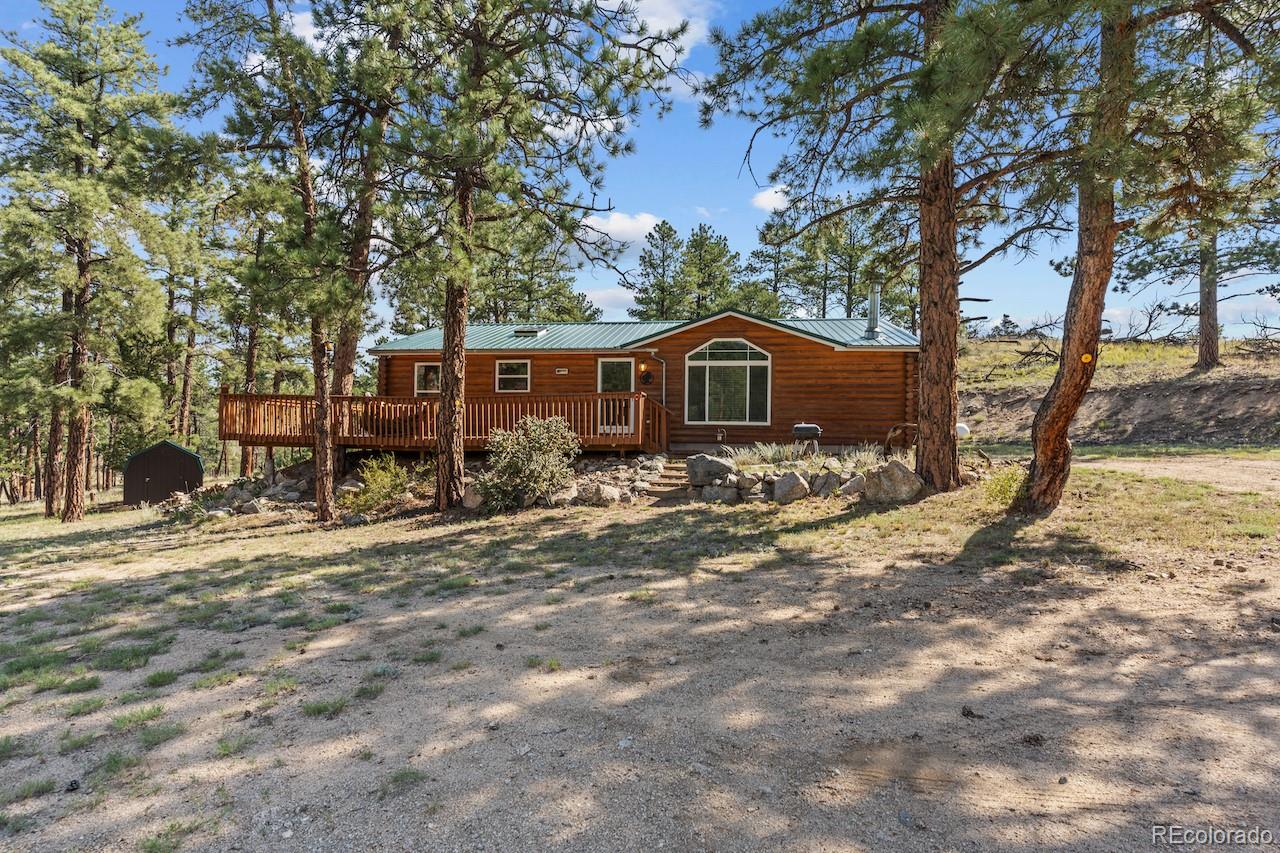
199, 459
625, 335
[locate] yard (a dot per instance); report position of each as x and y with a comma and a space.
817, 676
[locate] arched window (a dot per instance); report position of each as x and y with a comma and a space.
727, 382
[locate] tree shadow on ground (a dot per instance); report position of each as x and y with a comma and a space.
790, 679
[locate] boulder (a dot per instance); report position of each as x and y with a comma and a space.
471, 497
720, 494
253, 507
856, 485
600, 494
564, 496
355, 520
747, 482
825, 484
892, 483
790, 487
704, 469
344, 489
309, 506
290, 497
221, 513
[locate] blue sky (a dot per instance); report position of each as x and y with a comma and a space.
685, 174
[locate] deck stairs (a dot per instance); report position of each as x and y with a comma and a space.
673, 483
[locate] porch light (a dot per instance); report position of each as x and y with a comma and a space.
643, 366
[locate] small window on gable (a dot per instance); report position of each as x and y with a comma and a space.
426, 378
530, 331
512, 377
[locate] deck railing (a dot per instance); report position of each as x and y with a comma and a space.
624, 420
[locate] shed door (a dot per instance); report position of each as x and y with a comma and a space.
617, 375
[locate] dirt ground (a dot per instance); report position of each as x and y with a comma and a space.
1236, 475
823, 676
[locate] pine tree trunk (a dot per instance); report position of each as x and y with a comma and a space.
323, 456
1209, 356
937, 454
323, 445
346, 349
1095, 257
34, 490
250, 386
78, 417
55, 461
170, 365
453, 358
188, 363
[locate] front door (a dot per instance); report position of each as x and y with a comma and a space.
616, 375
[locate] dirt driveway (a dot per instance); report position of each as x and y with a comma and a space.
817, 677
1232, 474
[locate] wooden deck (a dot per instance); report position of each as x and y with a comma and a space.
621, 421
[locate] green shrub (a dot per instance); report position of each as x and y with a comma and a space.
385, 483
532, 460
1006, 485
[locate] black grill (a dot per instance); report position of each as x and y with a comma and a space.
806, 432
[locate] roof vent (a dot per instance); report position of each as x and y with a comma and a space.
530, 331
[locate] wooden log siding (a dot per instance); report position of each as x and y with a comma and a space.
855, 395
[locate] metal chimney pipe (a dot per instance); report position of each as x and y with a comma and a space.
873, 312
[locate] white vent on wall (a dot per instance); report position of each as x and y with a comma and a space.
530, 331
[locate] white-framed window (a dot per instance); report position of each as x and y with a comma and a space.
426, 378
727, 381
511, 377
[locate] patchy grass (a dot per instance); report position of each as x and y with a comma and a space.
152, 736
82, 684
821, 582
329, 708
84, 706
400, 781
69, 742
233, 745
642, 596
214, 679
113, 764
11, 746
32, 789
280, 685
131, 720
160, 678
170, 838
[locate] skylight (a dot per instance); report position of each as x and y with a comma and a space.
530, 331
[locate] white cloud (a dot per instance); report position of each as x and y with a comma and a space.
304, 26
667, 14
612, 301
771, 199
630, 228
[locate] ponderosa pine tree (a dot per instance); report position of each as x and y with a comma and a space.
1140, 118
709, 271
279, 87
772, 264
508, 102
659, 294
83, 118
833, 80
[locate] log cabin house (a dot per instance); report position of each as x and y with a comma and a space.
730, 378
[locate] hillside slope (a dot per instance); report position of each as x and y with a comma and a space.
1141, 393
